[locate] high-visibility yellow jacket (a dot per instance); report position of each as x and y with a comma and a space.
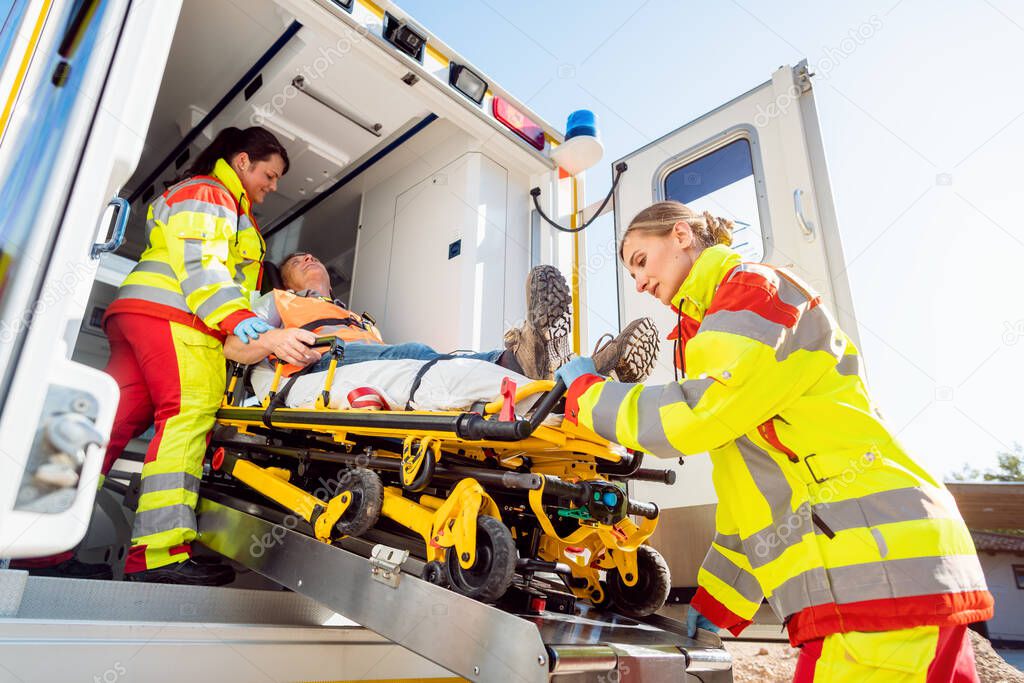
819, 508
203, 258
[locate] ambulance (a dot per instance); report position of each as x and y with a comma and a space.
429, 192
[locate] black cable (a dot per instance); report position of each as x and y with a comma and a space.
620, 168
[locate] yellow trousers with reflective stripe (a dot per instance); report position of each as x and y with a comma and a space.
180, 372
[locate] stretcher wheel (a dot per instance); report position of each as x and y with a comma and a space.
367, 500
434, 572
650, 591
491, 574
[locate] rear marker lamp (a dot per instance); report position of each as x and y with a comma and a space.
398, 33
467, 82
518, 123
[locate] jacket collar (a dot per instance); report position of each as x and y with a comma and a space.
699, 287
223, 172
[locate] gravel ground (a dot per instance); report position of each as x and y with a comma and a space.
755, 662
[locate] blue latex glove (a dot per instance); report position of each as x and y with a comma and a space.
695, 620
574, 369
251, 328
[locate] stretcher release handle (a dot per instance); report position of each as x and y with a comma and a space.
648, 510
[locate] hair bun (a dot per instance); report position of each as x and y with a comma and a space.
720, 228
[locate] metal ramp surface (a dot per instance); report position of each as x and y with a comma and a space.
474, 640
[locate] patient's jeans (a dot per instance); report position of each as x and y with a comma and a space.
359, 352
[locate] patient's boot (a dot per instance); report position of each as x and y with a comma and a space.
632, 354
542, 344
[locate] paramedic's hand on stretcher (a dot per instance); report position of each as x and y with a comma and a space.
695, 620
292, 345
250, 329
574, 369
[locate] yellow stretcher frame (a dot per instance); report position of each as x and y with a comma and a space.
562, 451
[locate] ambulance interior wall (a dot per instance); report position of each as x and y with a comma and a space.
443, 246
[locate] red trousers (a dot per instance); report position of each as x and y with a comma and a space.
904, 656
171, 376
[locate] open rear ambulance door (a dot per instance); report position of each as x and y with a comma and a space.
759, 161
79, 81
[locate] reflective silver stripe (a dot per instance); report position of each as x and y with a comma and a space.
218, 299
804, 590
731, 541
606, 412
849, 365
157, 267
154, 294
206, 208
694, 389
240, 270
723, 568
193, 253
244, 223
159, 211
747, 324
788, 526
169, 481
903, 578
883, 507
209, 276
650, 428
814, 331
151, 522
767, 272
785, 531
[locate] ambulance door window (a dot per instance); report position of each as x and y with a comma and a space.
722, 183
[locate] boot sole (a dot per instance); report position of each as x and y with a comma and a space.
548, 301
637, 360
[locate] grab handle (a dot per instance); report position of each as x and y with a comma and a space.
122, 210
806, 226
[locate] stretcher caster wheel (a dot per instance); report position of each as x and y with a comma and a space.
491, 574
367, 500
650, 591
434, 572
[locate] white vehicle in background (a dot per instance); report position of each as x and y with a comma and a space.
411, 177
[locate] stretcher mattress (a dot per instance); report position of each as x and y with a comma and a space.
454, 384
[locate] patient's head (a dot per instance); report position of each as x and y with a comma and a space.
302, 271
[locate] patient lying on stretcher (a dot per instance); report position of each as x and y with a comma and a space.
376, 374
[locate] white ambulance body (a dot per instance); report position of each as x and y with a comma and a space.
410, 177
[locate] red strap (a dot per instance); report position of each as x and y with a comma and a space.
366, 397
508, 395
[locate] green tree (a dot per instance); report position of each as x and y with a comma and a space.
1009, 467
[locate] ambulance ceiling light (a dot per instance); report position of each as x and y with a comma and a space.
466, 82
582, 147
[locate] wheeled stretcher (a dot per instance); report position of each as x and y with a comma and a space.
491, 497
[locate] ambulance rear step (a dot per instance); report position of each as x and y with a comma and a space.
469, 638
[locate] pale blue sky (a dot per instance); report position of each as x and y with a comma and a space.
923, 124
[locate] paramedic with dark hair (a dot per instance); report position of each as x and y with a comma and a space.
190, 289
859, 550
